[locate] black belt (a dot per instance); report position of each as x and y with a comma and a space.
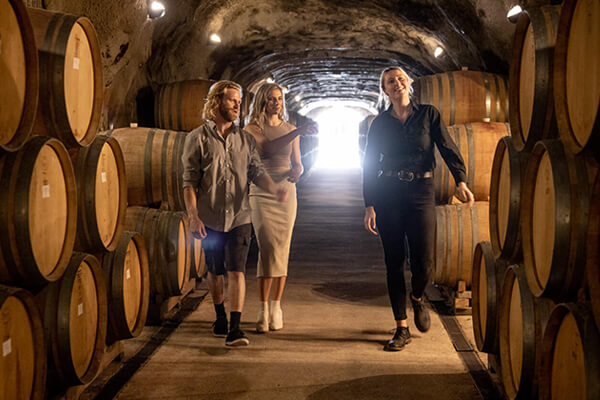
403, 175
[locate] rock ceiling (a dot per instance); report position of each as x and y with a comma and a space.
319, 49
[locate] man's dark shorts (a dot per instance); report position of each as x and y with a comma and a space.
227, 251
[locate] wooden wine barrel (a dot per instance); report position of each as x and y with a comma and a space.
197, 257
458, 230
363, 132
309, 150
153, 166
23, 361
576, 75
522, 321
505, 200
102, 194
477, 143
166, 237
38, 212
128, 287
570, 365
34, 3
485, 296
75, 321
593, 250
71, 85
465, 96
19, 75
309, 145
247, 99
178, 106
531, 99
554, 220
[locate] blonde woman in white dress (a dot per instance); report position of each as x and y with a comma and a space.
278, 145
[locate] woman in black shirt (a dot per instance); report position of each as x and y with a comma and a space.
399, 194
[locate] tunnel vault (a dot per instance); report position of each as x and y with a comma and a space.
319, 49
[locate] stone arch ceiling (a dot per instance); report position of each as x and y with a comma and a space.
320, 49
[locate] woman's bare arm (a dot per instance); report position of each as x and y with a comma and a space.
273, 146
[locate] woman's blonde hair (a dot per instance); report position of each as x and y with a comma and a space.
384, 100
213, 99
258, 114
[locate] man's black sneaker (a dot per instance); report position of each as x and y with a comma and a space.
400, 339
422, 320
219, 327
237, 337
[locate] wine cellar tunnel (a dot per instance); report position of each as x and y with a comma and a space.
103, 287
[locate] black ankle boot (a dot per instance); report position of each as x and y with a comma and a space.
422, 320
401, 338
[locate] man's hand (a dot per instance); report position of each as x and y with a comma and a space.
197, 226
281, 194
464, 194
369, 221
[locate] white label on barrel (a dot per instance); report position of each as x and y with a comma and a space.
76, 63
128, 274
79, 309
45, 191
6, 348
103, 177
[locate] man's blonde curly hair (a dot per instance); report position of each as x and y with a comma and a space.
213, 99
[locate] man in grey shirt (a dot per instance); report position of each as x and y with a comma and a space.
219, 161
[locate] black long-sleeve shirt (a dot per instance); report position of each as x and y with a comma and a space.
393, 145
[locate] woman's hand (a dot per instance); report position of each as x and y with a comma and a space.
295, 173
369, 220
464, 194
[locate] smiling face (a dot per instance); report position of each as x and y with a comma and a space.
274, 102
396, 84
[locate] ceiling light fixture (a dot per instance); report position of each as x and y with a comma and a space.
156, 9
513, 14
215, 38
438, 52
285, 89
297, 97
270, 79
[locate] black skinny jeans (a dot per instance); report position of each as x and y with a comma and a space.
406, 209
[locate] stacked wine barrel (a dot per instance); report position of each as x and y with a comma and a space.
62, 208
309, 145
153, 155
474, 107
535, 286
363, 132
178, 105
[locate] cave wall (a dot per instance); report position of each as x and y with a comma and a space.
320, 48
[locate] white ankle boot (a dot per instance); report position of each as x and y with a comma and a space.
276, 317
262, 321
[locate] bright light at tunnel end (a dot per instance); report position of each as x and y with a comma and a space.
338, 132
215, 38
